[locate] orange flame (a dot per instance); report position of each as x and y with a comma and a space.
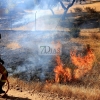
83, 64
61, 74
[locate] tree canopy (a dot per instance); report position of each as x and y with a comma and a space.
52, 3
38, 4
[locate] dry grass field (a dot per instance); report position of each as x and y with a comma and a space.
86, 87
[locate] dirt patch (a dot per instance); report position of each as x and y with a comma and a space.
13, 45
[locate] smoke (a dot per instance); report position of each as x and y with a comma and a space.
30, 17
25, 62
34, 66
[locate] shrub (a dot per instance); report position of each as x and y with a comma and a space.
90, 10
78, 10
74, 32
95, 36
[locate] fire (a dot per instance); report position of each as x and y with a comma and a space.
61, 74
84, 64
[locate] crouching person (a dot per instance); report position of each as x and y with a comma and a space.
4, 76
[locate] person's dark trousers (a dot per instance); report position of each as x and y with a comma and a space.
3, 81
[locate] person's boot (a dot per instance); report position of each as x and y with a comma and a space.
1, 91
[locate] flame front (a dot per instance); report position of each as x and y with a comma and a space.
61, 74
83, 64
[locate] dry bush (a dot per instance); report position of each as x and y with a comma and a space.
95, 36
90, 10
92, 13
74, 32
78, 10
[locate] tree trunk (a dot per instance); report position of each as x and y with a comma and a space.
66, 8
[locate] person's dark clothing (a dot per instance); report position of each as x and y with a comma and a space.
4, 74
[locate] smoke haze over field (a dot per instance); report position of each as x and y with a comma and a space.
20, 48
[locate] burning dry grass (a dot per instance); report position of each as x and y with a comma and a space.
89, 86
83, 63
61, 74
